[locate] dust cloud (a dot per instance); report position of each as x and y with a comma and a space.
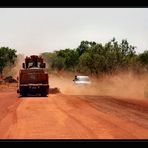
123, 84
14, 70
19, 61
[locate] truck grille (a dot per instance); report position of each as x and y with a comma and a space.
34, 78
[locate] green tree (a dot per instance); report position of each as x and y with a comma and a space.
49, 58
84, 46
7, 57
96, 58
71, 58
143, 58
86, 62
58, 63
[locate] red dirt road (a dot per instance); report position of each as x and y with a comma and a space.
61, 116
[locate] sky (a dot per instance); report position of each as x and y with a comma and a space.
37, 30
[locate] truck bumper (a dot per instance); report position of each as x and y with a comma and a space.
33, 89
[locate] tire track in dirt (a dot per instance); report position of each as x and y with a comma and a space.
86, 129
98, 125
9, 103
113, 124
131, 111
62, 116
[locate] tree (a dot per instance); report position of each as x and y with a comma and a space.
86, 62
143, 58
142, 61
84, 46
71, 58
58, 63
7, 57
96, 58
49, 58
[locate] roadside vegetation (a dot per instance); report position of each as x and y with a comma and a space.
7, 59
89, 58
95, 58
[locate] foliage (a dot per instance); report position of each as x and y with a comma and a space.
7, 57
96, 58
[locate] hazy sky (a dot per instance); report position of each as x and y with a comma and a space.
37, 30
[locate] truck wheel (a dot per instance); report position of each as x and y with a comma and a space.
43, 94
23, 94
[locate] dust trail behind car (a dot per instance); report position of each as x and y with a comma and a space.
123, 84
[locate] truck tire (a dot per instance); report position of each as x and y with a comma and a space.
43, 94
23, 94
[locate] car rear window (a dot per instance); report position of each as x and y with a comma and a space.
83, 79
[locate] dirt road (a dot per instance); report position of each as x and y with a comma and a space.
64, 116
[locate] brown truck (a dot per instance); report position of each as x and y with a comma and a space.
33, 78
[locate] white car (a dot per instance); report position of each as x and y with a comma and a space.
82, 80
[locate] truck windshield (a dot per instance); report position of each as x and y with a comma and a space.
32, 64
39, 64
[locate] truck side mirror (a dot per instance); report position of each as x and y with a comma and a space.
23, 65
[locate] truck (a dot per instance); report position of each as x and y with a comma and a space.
33, 77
